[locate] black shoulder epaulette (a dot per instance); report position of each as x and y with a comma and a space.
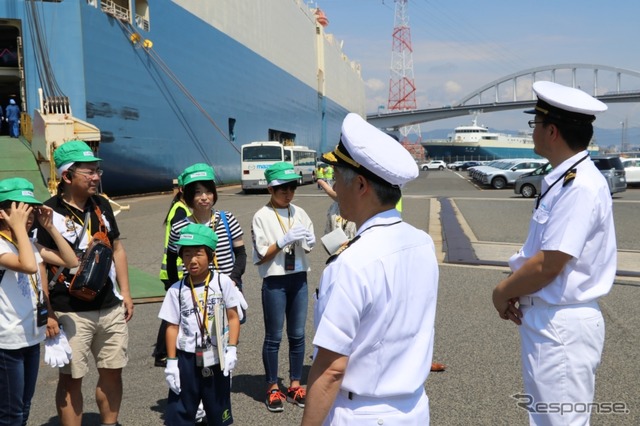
342, 248
569, 176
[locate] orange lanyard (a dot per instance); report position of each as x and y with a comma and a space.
201, 307
279, 219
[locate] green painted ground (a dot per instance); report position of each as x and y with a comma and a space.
16, 160
144, 285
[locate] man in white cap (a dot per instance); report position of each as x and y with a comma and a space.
376, 305
566, 264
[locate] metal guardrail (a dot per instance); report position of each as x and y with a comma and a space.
115, 10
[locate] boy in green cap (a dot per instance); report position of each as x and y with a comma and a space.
23, 297
203, 328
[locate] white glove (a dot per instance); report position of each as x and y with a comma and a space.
297, 233
57, 352
243, 304
172, 375
310, 239
230, 360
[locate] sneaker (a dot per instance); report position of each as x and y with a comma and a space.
274, 401
297, 396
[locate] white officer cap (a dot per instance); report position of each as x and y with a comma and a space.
565, 103
372, 153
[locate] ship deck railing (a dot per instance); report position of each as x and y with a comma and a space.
142, 22
115, 10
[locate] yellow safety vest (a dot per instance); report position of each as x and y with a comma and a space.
163, 270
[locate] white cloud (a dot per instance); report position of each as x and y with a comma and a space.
375, 85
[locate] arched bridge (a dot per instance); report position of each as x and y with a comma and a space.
609, 84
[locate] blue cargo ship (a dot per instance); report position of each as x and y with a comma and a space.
172, 82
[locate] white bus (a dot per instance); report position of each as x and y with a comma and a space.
303, 160
255, 158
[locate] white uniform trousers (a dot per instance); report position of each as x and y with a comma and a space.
407, 410
561, 347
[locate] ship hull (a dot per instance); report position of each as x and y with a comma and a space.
195, 97
457, 151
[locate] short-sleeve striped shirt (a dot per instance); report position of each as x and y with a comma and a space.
224, 250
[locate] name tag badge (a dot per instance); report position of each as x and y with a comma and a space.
207, 356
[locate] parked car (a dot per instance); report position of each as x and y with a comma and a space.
632, 170
455, 164
612, 169
528, 185
507, 172
433, 165
467, 164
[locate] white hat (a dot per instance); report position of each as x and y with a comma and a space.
565, 103
372, 153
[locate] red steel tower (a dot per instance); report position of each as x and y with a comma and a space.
402, 88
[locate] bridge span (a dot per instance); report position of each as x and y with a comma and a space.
514, 92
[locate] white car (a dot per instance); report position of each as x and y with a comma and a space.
506, 173
632, 169
433, 165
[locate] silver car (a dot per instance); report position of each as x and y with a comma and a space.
528, 185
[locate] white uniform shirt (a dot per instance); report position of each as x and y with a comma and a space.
377, 303
177, 308
576, 219
266, 229
18, 305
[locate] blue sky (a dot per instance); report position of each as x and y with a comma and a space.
461, 45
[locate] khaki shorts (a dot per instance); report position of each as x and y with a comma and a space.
104, 333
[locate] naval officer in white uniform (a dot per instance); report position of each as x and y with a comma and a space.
566, 264
376, 303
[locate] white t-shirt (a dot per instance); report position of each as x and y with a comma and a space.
178, 308
18, 305
266, 229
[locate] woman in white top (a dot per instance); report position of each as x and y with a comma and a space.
282, 236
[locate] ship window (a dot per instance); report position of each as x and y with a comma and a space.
142, 14
119, 9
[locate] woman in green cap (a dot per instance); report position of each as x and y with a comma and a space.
23, 297
282, 236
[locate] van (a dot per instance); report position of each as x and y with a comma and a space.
612, 169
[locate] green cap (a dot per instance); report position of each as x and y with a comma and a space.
73, 152
280, 173
195, 234
195, 173
17, 189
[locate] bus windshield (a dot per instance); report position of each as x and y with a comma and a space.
262, 153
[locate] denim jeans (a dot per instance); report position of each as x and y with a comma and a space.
284, 295
18, 375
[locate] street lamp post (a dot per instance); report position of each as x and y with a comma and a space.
622, 138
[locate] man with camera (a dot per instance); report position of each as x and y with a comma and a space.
87, 304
